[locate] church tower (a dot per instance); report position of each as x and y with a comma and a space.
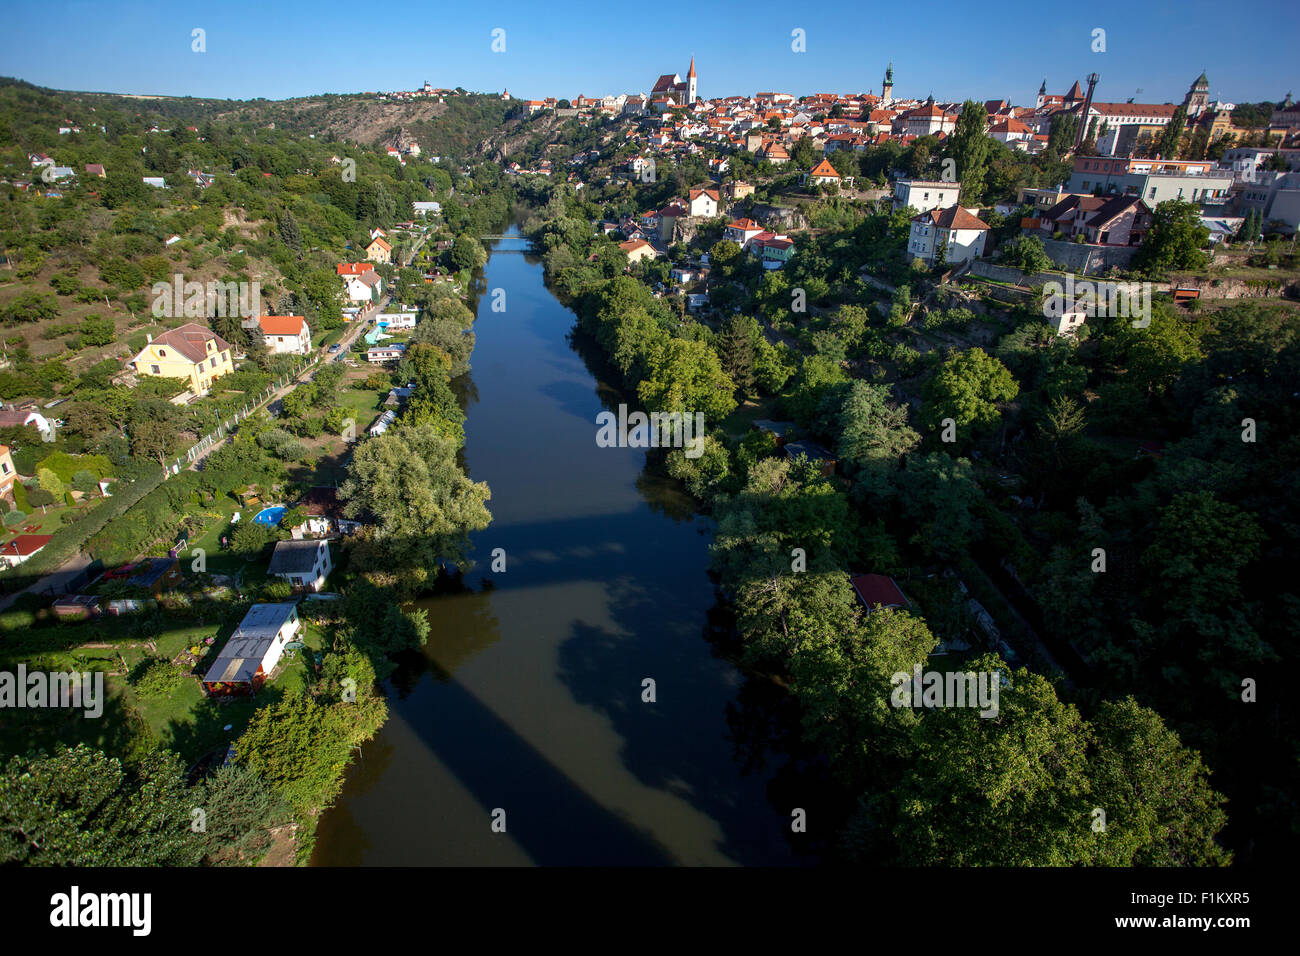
1042, 95
690, 84
1198, 96
887, 88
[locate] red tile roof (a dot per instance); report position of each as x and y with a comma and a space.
873, 589
824, 168
191, 341
281, 324
25, 545
954, 217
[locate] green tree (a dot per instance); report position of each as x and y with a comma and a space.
1009, 791
80, 807
466, 253
96, 330
240, 808
297, 745
1175, 241
290, 234
703, 473
970, 148
967, 388
736, 351
50, 482
687, 376
1026, 253
1172, 134
408, 479
872, 432
1160, 808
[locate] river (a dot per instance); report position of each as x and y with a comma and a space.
527, 698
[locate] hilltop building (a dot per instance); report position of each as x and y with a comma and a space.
672, 88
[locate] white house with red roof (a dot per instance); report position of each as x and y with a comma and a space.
285, 334
637, 249
742, 231
957, 232
15, 552
354, 268
1013, 132
824, 174
703, 202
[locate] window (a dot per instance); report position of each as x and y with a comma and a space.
162, 353
4, 467
213, 363
154, 369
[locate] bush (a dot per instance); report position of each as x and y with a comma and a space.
278, 591
14, 518
40, 498
155, 678
252, 537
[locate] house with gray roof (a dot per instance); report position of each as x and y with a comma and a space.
304, 564
253, 650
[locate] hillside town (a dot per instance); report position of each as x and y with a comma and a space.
300, 426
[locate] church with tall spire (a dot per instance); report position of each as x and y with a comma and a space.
673, 89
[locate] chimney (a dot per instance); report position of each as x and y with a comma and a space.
148, 337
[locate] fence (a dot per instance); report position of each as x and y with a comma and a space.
209, 441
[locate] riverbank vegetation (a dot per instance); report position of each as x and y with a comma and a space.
1130, 701
245, 203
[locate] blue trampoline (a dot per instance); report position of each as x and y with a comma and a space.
271, 516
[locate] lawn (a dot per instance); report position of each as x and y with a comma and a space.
742, 419
364, 405
184, 720
192, 724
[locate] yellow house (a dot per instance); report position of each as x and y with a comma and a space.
191, 352
7, 473
379, 250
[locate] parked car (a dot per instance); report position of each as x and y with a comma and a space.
334, 348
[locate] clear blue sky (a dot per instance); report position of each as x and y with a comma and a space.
960, 49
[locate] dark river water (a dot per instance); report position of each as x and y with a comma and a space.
528, 696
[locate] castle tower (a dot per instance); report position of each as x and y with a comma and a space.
690, 84
1198, 96
887, 88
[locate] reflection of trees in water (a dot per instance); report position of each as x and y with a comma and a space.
340, 840
664, 494
465, 390
763, 724
462, 624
